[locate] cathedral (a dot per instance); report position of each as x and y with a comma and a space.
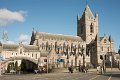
85, 48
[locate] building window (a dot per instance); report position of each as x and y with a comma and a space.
55, 46
91, 28
32, 55
36, 56
20, 51
42, 45
105, 40
101, 57
102, 48
45, 60
108, 49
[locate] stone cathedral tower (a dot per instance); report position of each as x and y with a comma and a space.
87, 25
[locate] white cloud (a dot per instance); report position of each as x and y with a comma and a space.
25, 39
10, 42
7, 16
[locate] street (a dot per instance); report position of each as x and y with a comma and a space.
64, 76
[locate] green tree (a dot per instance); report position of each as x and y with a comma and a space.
23, 65
16, 66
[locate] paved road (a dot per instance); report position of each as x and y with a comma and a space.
63, 76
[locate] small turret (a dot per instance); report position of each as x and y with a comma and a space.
96, 15
96, 38
78, 17
110, 39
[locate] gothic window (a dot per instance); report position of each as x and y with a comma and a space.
47, 45
108, 49
64, 46
32, 55
51, 46
20, 51
42, 45
101, 57
71, 47
36, 56
105, 40
55, 46
91, 28
102, 48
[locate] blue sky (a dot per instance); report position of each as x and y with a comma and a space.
59, 16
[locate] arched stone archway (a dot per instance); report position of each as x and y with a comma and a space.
30, 64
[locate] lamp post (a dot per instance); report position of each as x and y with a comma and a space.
1, 58
111, 62
82, 50
0, 67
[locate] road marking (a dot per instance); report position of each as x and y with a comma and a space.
80, 77
110, 77
94, 77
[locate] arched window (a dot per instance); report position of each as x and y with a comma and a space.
105, 40
36, 56
55, 46
91, 28
42, 45
108, 49
47, 45
32, 55
64, 47
102, 48
20, 51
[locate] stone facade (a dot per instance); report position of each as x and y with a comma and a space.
65, 50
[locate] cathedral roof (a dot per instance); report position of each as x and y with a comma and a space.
89, 12
30, 48
10, 46
57, 36
15, 47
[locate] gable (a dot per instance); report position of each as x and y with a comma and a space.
104, 40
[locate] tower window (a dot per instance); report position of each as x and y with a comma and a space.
102, 48
105, 40
91, 28
108, 49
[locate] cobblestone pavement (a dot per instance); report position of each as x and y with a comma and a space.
64, 76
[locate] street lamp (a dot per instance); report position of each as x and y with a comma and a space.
1, 58
111, 61
82, 51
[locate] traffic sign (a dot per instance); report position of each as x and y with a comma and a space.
1, 57
110, 58
60, 60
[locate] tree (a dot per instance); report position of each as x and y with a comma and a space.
23, 65
16, 66
8, 68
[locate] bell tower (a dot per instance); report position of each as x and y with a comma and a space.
87, 25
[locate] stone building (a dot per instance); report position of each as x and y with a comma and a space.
86, 48
87, 39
